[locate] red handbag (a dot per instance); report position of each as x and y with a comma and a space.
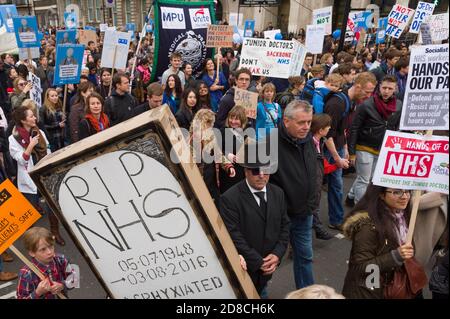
408, 281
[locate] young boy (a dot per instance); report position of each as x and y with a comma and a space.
320, 126
333, 83
175, 65
40, 244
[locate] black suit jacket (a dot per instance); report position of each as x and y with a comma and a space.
255, 235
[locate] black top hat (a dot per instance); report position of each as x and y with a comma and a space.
257, 155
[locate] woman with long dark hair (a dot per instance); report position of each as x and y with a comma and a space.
188, 108
217, 83
204, 96
377, 227
172, 93
95, 119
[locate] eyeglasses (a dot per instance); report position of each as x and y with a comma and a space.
22, 83
399, 193
258, 171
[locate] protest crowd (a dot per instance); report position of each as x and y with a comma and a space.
329, 118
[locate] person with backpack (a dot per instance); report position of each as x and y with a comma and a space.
268, 113
338, 108
318, 72
293, 92
332, 84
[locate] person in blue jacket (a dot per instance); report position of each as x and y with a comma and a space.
333, 83
172, 93
268, 113
216, 84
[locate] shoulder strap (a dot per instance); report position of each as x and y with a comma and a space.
271, 117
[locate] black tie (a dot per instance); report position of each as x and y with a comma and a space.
262, 202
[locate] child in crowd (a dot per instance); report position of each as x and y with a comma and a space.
268, 113
320, 126
333, 83
40, 244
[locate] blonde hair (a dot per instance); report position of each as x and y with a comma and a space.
33, 235
49, 107
31, 105
268, 86
315, 292
335, 79
325, 57
16, 84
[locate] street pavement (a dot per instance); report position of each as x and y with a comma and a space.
329, 265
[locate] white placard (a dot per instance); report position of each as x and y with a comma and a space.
103, 27
270, 34
438, 26
315, 34
423, 10
118, 42
34, 51
234, 19
272, 58
398, 19
140, 233
425, 105
411, 161
36, 90
323, 16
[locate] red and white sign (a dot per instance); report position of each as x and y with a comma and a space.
398, 19
410, 161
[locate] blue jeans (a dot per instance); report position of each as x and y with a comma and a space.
301, 241
335, 191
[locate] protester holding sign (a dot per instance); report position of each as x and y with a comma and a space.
217, 83
21, 89
45, 73
377, 227
120, 104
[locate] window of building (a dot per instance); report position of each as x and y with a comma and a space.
128, 11
91, 12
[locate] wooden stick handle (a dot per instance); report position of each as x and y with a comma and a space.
64, 99
32, 267
112, 72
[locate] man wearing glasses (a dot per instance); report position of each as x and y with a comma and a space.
255, 214
243, 78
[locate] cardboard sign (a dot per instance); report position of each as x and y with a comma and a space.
25, 28
323, 16
118, 42
69, 58
219, 36
36, 90
16, 214
314, 38
272, 58
438, 26
145, 238
410, 161
87, 35
66, 37
425, 106
7, 12
248, 100
398, 19
423, 10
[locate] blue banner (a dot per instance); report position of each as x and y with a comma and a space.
88, 27
381, 32
363, 20
69, 58
66, 37
181, 27
249, 28
7, 12
70, 20
26, 29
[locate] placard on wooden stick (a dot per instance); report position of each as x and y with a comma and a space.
248, 100
145, 223
219, 36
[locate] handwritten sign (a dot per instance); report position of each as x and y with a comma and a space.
438, 26
323, 16
248, 100
423, 10
87, 35
411, 161
426, 100
16, 214
314, 38
272, 58
398, 19
219, 36
146, 238
36, 90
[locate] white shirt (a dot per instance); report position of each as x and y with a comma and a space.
256, 191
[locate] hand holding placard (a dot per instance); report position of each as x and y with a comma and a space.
248, 100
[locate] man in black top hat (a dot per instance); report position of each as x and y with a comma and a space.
255, 214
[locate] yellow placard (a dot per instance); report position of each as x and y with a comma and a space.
16, 214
